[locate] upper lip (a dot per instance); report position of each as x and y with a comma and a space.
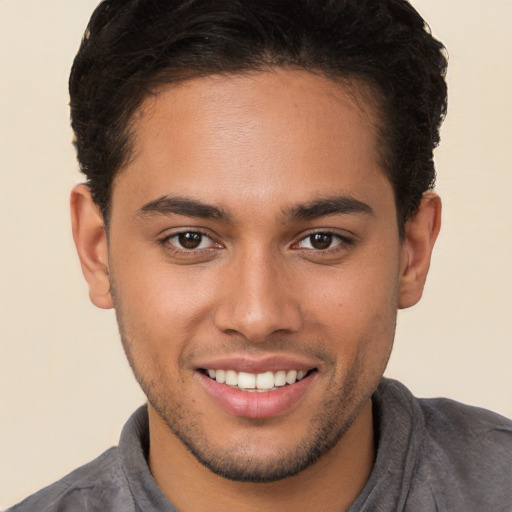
249, 364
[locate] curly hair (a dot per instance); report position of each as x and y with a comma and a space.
131, 47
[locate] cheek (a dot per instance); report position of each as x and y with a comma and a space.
356, 306
160, 304
359, 294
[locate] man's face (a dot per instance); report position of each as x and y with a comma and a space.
253, 232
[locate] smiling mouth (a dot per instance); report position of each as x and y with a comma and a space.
257, 382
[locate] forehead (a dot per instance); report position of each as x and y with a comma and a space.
260, 135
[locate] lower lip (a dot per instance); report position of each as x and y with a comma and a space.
256, 404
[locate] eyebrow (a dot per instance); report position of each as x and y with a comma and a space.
327, 206
172, 205
177, 205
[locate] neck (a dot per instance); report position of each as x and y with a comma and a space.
330, 484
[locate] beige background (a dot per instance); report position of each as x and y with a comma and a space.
65, 389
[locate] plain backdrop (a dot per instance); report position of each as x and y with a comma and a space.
65, 388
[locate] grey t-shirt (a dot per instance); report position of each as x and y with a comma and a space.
433, 455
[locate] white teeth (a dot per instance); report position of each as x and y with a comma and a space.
256, 382
246, 380
231, 378
291, 376
265, 380
280, 378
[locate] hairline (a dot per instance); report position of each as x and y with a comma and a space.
362, 89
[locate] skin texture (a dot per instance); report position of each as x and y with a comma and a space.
257, 290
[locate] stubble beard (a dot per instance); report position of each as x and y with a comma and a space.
237, 462
334, 416
234, 464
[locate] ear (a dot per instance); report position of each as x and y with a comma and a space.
420, 235
91, 244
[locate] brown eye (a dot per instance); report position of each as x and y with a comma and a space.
190, 240
321, 241
190, 244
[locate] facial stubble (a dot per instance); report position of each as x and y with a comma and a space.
326, 427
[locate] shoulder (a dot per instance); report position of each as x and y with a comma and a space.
446, 422
467, 450
449, 456
99, 479
479, 431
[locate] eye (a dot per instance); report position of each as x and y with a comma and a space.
322, 241
190, 241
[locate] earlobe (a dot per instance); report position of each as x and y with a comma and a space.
420, 235
91, 244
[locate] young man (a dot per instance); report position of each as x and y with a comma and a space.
258, 207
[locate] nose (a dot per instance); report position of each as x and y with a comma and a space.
258, 298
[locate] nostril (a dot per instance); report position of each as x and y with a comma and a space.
257, 314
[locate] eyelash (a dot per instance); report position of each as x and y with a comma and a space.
343, 243
173, 247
